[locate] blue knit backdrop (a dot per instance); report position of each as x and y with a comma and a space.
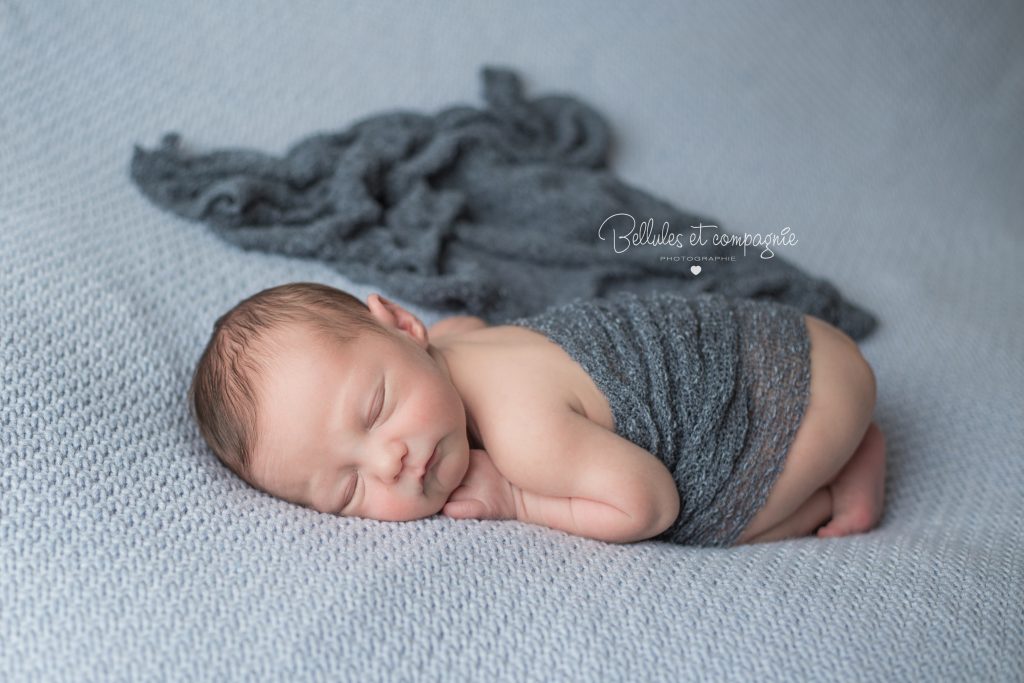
887, 136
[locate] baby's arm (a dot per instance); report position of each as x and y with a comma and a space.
569, 473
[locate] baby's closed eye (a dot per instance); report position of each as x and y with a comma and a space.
378, 403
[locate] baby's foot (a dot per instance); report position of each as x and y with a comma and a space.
858, 492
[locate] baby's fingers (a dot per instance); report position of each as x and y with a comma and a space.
464, 509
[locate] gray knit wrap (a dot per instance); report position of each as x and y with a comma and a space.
713, 386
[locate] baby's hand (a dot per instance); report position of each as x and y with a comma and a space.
483, 494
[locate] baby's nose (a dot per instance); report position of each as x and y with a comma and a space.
393, 463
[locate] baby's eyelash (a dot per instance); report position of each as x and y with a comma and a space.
349, 498
379, 410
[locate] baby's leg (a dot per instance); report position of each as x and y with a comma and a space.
804, 521
858, 493
842, 401
853, 501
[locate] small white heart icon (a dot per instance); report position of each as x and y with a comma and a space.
695, 270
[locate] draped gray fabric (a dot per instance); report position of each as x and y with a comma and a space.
497, 212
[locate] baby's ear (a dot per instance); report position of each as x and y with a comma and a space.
390, 314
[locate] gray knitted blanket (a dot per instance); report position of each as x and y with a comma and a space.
714, 387
499, 212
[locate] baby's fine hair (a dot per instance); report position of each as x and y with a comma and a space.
223, 396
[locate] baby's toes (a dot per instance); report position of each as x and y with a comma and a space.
854, 520
831, 530
834, 530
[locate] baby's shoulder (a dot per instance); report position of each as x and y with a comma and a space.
519, 373
510, 361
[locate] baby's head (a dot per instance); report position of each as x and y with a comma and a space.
312, 396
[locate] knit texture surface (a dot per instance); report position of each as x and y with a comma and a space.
714, 387
887, 135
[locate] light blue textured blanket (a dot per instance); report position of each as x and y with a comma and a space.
888, 138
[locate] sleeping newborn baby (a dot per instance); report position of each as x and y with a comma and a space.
700, 420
